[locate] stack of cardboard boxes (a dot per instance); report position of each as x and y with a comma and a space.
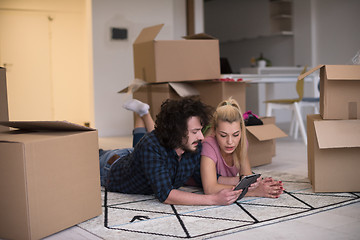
49, 175
179, 68
334, 134
173, 69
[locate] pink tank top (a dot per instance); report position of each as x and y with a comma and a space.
211, 149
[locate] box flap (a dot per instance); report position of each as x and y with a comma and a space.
125, 90
338, 134
148, 34
310, 72
199, 36
184, 89
133, 86
343, 72
266, 132
45, 125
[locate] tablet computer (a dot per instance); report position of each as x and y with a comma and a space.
245, 183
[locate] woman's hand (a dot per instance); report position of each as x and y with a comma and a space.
256, 184
267, 187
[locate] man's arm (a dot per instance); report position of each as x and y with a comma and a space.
224, 197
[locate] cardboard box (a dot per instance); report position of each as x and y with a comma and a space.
270, 120
4, 113
339, 91
213, 92
196, 58
261, 140
209, 92
49, 178
333, 154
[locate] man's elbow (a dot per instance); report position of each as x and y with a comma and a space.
167, 201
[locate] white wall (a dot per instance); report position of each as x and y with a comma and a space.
113, 60
337, 34
303, 32
199, 16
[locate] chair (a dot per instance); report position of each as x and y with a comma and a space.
293, 105
307, 102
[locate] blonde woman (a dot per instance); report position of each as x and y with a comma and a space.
224, 159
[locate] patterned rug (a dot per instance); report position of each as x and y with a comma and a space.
127, 216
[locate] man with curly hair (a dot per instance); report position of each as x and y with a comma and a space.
165, 156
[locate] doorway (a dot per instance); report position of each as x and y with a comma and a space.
47, 55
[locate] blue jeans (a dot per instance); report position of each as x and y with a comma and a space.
106, 157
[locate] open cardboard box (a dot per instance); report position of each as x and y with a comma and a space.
333, 154
49, 178
196, 58
339, 91
4, 113
209, 92
261, 140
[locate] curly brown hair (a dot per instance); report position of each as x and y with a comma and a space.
171, 123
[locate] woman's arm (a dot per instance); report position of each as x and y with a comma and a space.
245, 168
228, 180
209, 179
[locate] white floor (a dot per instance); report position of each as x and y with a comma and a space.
291, 157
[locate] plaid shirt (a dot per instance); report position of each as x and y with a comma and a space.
153, 169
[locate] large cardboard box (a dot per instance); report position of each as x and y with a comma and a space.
261, 140
195, 58
339, 91
49, 178
4, 113
209, 92
333, 154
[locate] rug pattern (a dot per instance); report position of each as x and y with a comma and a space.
127, 216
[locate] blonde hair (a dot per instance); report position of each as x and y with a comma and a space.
230, 111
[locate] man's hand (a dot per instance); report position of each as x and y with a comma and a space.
226, 196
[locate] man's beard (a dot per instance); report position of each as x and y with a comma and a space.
186, 148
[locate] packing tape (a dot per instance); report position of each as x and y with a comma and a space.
352, 106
